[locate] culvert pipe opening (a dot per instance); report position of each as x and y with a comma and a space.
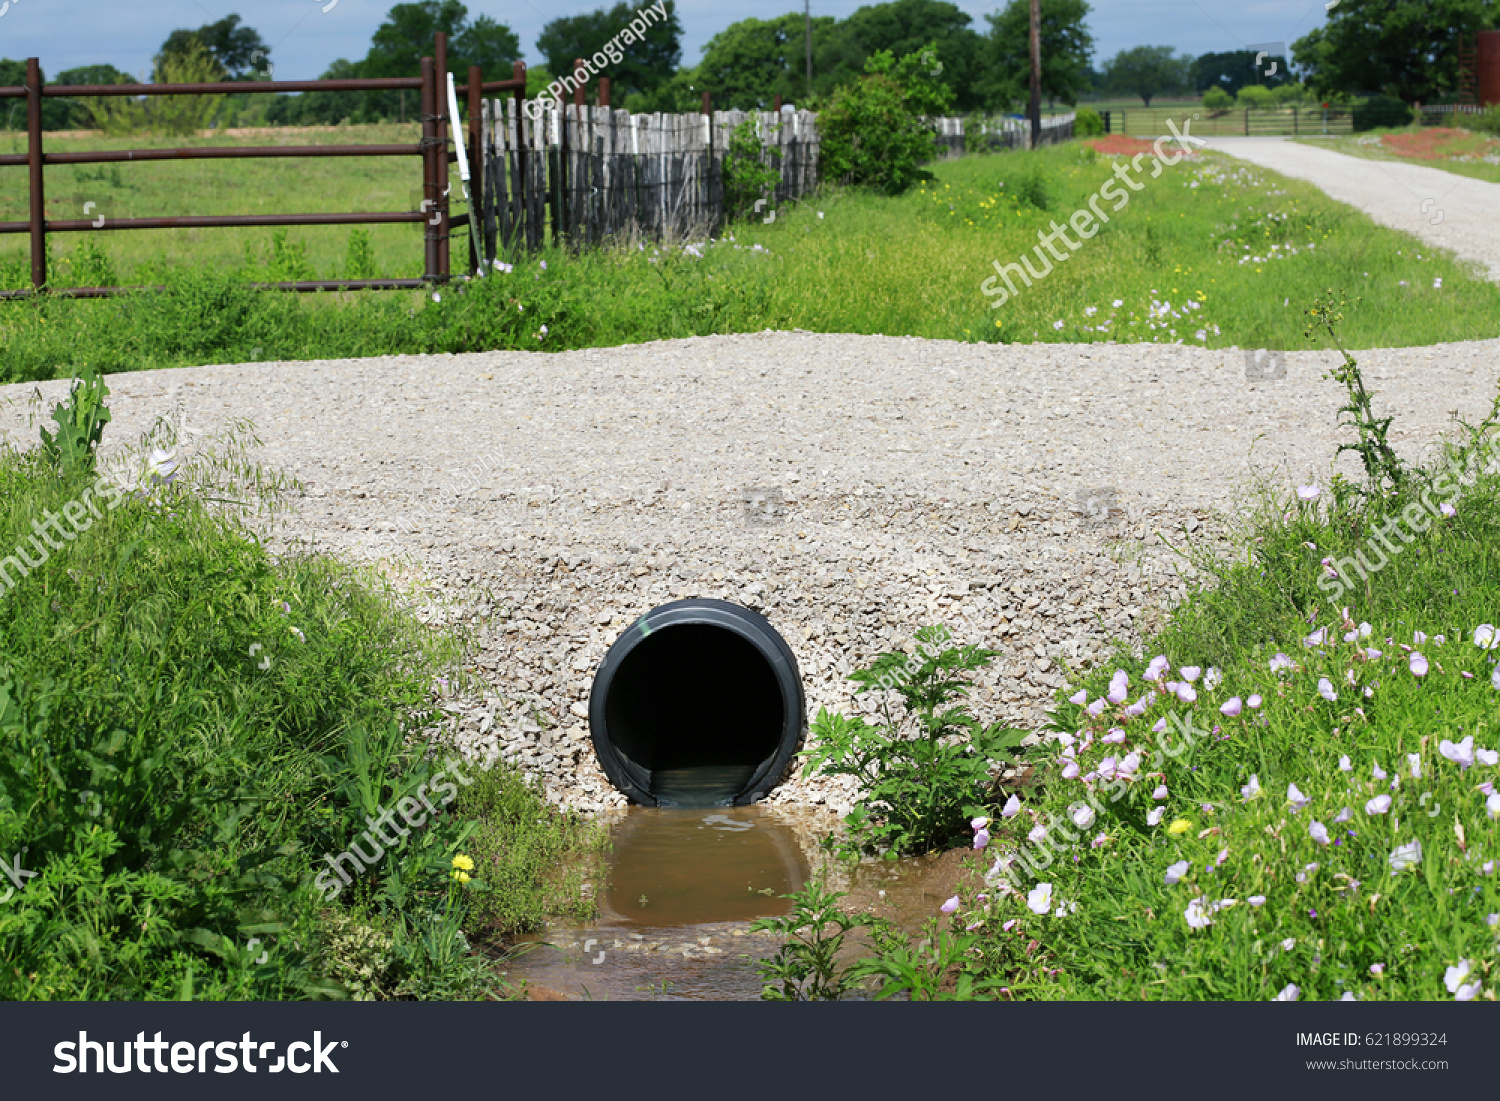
697, 704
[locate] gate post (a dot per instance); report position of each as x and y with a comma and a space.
440, 101
430, 187
34, 163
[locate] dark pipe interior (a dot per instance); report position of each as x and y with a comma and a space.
693, 711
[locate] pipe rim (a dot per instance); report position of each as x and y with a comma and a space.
726, 615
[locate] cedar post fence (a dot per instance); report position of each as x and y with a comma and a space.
431, 151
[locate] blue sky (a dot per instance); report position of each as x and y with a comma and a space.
304, 38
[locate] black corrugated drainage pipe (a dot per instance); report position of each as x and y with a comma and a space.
698, 704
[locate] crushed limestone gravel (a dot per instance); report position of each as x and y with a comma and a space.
851, 488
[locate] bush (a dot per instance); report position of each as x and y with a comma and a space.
1488, 122
1381, 111
873, 130
1217, 99
1254, 95
1088, 124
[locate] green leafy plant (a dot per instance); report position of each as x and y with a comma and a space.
80, 425
806, 967
941, 967
1380, 461
747, 177
359, 259
921, 777
1087, 123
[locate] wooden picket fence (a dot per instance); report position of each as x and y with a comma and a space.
607, 174
584, 175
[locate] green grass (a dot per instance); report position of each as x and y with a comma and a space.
912, 265
1346, 713
192, 725
1461, 152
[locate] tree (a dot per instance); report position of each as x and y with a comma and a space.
1146, 71
643, 64
409, 34
327, 108
746, 65
1217, 100
240, 51
73, 114
191, 63
1067, 47
903, 28
410, 31
1233, 70
1405, 48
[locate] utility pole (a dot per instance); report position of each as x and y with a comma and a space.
1035, 112
807, 11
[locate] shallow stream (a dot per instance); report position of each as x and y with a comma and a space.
683, 887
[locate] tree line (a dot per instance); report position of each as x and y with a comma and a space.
1402, 48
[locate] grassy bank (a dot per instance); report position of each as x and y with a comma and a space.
1287, 793
1211, 252
197, 733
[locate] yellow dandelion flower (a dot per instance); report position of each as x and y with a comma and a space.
462, 877
1181, 826
464, 862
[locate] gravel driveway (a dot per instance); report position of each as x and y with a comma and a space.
556, 497
1461, 214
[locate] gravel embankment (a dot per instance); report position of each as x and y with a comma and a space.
1450, 211
556, 497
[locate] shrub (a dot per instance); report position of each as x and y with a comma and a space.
1254, 95
1217, 99
1488, 122
873, 131
1381, 111
1088, 124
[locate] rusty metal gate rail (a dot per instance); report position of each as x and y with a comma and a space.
432, 150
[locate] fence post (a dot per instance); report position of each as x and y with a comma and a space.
1294, 121
578, 88
604, 91
1247, 122
708, 104
440, 98
34, 163
776, 104
476, 166
522, 219
1106, 122
430, 186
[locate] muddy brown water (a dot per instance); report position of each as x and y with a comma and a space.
683, 888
